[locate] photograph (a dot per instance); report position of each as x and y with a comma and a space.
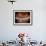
22, 16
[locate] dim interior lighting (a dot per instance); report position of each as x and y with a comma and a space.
12, 1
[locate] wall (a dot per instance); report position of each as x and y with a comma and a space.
38, 29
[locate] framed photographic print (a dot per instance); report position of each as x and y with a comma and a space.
23, 17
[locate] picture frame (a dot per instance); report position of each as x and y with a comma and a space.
22, 17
